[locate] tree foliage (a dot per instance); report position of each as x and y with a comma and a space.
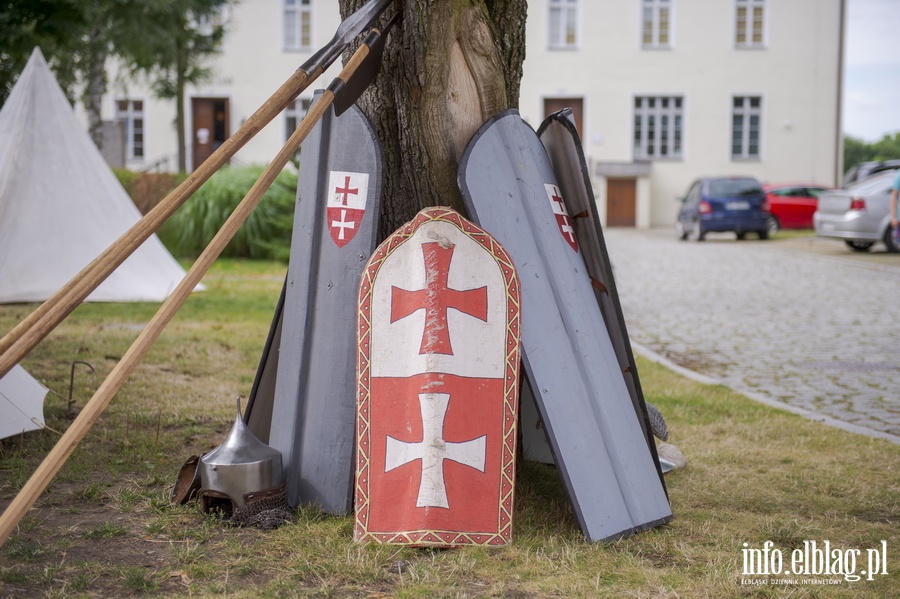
857, 150
176, 38
168, 40
56, 26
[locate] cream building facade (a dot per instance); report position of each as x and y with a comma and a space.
663, 91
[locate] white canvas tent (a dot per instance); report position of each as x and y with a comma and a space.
61, 205
21, 403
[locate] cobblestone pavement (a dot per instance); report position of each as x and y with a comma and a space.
797, 322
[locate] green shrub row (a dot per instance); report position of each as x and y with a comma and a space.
265, 235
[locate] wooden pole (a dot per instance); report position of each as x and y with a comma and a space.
98, 403
16, 344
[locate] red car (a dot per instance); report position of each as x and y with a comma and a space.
792, 204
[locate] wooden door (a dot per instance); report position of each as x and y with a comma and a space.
210, 118
621, 200
552, 105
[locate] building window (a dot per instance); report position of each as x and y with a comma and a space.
563, 23
658, 130
293, 114
297, 24
131, 112
749, 21
213, 21
745, 125
655, 26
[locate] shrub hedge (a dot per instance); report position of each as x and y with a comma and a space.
266, 234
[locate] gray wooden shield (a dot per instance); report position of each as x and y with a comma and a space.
597, 438
304, 396
560, 139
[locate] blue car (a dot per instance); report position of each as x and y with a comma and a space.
715, 204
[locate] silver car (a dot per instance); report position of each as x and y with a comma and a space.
858, 214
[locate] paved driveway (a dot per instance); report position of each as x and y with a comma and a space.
801, 323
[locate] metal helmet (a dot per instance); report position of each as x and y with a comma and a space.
242, 476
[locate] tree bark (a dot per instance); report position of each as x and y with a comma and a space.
180, 83
449, 65
95, 84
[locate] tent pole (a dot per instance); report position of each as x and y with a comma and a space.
16, 344
363, 61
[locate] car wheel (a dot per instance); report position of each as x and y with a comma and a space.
679, 231
772, 226
741, 235
697, 232
763, 234
892, 245
858, 246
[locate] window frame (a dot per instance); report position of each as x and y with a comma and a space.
641, 126
293, 114
656, 7
292, 13
129, 116
565, 7
750, 6
746, 111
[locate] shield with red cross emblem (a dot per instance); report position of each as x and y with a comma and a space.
346, 204
594, 430
561, 214
303, 400
438, 372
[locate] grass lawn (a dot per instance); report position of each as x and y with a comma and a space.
105, 528
794, 233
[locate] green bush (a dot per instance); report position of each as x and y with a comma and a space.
265, 235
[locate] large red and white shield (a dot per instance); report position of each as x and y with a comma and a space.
346, 204
438, 372
563, 221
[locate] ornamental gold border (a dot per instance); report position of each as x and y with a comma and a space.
503, 533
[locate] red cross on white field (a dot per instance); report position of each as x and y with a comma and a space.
346, 190
556, 199
436, 298
433, 450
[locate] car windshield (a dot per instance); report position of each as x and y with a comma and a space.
729, 188
874, 184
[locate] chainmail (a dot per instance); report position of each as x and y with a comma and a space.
657, 422
266, 509
266, 512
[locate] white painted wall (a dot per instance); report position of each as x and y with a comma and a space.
796, 74
252, 65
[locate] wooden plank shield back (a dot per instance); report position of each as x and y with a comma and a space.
438, 379
509, 188
304, 400
560, 138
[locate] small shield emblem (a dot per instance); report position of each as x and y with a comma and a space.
346, 204
562, 215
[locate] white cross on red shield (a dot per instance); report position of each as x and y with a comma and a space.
346, 204
438, 371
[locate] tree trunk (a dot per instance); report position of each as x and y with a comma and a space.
181, 67
95, 86
449, 65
